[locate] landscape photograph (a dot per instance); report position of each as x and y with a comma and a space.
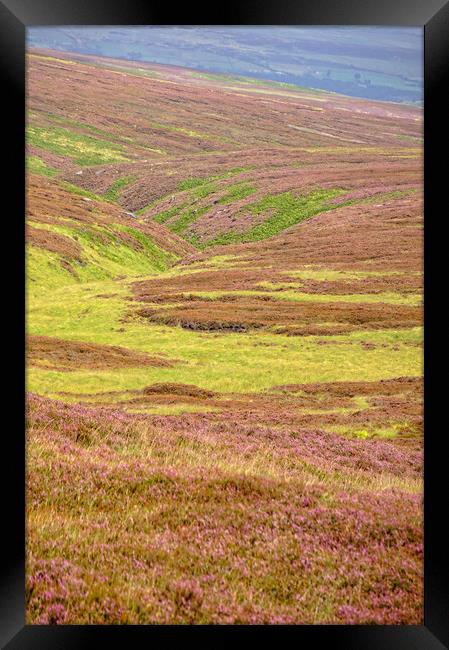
224, 325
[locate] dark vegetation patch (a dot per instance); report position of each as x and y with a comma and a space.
54, 242
401, 283
240, 313
396, 386
60, 354
185, 390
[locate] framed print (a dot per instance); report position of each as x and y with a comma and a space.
230, 396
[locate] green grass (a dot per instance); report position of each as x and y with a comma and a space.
229, 362
389, 298
165, 215
44, 271
113, 192
37, 166
327, 274
159, 259
197, 187
93, 306
186, 218
117, 257
67, 123
184, 131
216, 261
237, 192
359, 403
386, 196
409, 138
284, 210
202, 191
392, 430
74, 189
190, 183
250, 81
104, 256
239, 364
137, 72
85, 150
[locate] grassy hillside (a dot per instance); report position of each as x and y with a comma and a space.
74, 237
224, 350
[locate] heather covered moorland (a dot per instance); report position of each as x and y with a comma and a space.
224, 349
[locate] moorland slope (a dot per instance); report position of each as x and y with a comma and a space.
224, 349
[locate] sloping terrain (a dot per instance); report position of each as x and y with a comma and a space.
360, 61
224, 319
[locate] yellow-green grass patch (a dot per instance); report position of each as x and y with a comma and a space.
328, 274
388, 431
221, 362
360, 403
104, 256
36, 165
85, 150
296, 296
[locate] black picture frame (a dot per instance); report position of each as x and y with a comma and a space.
15, 17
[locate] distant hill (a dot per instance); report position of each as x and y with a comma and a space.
373, 62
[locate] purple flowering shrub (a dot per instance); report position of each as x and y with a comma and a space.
135, 519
